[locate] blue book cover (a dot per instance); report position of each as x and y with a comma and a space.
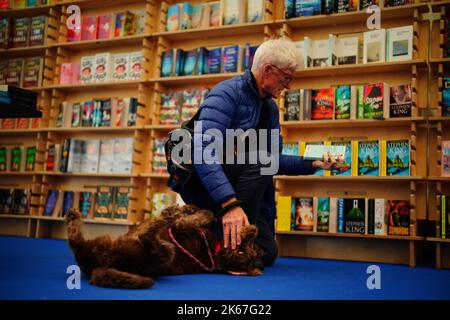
190, 62
52, 197
215, 60
291, 149
230, 58
186, 16
202, 64
397, 158
86, 199
249, 54
342, 102
67, 202
308, 8
167, 63
179, 63
289, 9
347, 158
173, 17
318, 172
340, 216
368, 158
446, 96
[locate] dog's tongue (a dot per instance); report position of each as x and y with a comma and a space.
218, 246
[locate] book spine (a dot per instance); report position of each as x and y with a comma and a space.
340, 218
443, 212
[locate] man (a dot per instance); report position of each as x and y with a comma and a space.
239, 193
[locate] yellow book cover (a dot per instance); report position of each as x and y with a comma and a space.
355, 158
284, 213
383, 158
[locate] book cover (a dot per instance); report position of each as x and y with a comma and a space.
291, 148
3, 159
22, 123
304, 214
197, 16
374, 48
140, 21
399, 43
76, 151
122, 202
89, 27
30, 159
400, 101
65, 74
68, 202
370, 216
77, 110
6, 27
3, 71
232, 11
16, 158
376, 101
180, 56
159, 164
21, 32
173, 17
102, 66
231, 58
120, 64
214, 14
167, 63
88, 110
119, 24
87, 69
445, 96
398, 217
255, 10
364, 4
14, 76
215, 60
123, 155
86, 204
32, 72
106, 161
21, 201
6, 200
368, 158
106, 112
397, 158
445, 158
104, 26
186, 16
322, 106
50, 203
292, 105
320, 53
160, 201
342, 102
135, 67
289, 9
90, 156
130, 25
132, 112
342, 6
354, 215
283, 222
65, 149
347, 165
308, 8
37, 30
323, 214
347, 50
104, 200
97, 113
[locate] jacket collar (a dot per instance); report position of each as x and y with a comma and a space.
251, 82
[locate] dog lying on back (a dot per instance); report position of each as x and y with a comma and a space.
180, 241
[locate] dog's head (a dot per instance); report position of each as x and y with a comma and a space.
245, 259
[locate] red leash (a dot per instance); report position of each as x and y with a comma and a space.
213, 265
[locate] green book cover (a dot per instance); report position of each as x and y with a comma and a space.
122, 203
103, 202
3, 159
31, 158
16, 156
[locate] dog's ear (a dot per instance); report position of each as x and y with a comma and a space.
249, 234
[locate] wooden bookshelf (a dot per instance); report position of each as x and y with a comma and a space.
95, 86
394, 122
209, 79
24, 51
349, 178
104, 43
349, 235
26, 12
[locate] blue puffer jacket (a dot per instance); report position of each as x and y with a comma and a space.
234, 104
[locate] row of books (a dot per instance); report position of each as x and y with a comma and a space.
103, 67
21, 4
159, 163
368, 101
15, 201
445, 216
344, 215
363, 158
23, 32
17, 158
109, 202
158, 201
19, 123
198, 61
91, 156
300, 8
112, 112
179, 106
118, 24
182, 16
22, 72
382, 45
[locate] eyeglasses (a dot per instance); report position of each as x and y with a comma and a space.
286, 76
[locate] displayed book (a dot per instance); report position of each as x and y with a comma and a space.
291, 148
68, 202
21, 201
38, 28
3, 71
123, 155
255, 10
308, 8
90, 156
233, 11
106, 157
368, 158
346, 167
289, 9
104, 26
343, 102
102, 63
86, 204
214, 14
322, 208
445, 96
120, 66
322, 104
445, 158
130, 25
398, 217
304, 145
86, 117
104, 201
320, 53
14, 75
20, 34
89, 27
380, 223
76, 151
173, 17
186, 16
160, 201
77, 111
6, 25
231, 59
292, 105
87, 69
399, 43
159, 164
30, 158
347, 50
397, 158
354, 215
6, 200
16, 158
135, 67
400, 101
119, 24
304, 214
376, 101
33, 71
122, 202
4, 159
50, 203
316, 151
283, 222
374, 48
167, 63
363, 4
445, 217
197, 16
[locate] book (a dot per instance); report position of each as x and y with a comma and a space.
68, 202
102, 66
104, 26
16, 158
119, 24
400, 101
21, 201
320, 53
87, 69
197, 16
316, 151
173, 17
160, 201
97, 113
104, 200
376, 101
106, 112
6, 25
445, 104
445, 158
398, 217
374, 48
86, 204
233, 11
76, 150
399, 43
368, 158
291, 148
122, 202
77, 111
304, 214
106, 157
231, 59
292, 105
308, 8
214, 14
159, 164
135, 67
354, 215
88, 110
6, 200
3, 159
30, 158
347, 155
90, 156
32, 72
3, 71
167, 63
283, 222
215, 60
123, 155
397, 159
64, 159
130, 25
186, 16
14, 76
120, 65
89, 27
50, 203
322, 106
343, 101
289, 9
21, 31
347, 50
38, 28
323, 214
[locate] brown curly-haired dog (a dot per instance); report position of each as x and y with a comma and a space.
180, 241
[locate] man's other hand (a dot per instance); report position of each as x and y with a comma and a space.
232, 223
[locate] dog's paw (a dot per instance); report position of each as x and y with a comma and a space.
73, 214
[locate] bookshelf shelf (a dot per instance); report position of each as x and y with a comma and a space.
87, 174
349, 235
222, 31
95, 86
442, 119
438, 240
21, 132
355, 69
93, 4
350, 123
161, 127
24, 51
349, 17
103, 44
436, 178
155, 175
17, 173
439, 60
88, 221
93, 129
349, 178
209, 79
25, 12
15, 216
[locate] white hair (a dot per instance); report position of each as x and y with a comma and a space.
282, 53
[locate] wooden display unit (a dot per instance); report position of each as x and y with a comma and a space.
144, 182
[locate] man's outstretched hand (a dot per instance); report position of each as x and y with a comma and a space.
232, 223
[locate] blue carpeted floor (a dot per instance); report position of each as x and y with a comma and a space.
36, 269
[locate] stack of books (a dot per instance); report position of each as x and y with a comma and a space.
18, 103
